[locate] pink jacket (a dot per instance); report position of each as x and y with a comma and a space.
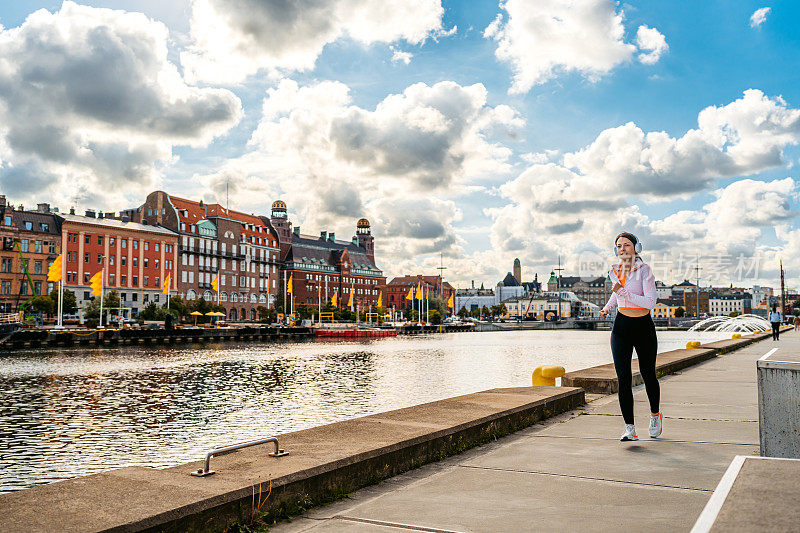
638, 288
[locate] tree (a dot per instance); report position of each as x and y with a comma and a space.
70, 305
680, 312
463, 313
178, 305
43, 304
149, 312
435, 317
111, 300
266, 315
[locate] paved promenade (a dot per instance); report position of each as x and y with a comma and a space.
571, 473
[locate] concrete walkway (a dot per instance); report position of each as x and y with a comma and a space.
572, 473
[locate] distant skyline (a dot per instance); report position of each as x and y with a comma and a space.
484, 131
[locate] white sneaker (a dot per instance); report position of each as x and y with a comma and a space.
630, 433
656, 423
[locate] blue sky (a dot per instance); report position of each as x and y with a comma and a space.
339, 129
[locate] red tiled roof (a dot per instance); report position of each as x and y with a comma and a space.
196, 213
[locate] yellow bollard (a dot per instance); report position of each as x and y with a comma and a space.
736, 336
545, 375
756, 331
692, 344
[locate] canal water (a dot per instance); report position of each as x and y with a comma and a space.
72, 412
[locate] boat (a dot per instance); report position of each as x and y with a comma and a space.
354, 333
9, 323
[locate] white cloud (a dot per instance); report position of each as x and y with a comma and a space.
399, 56
759, 16
652, 40
90, 106
543, 38
236, 38
746, 136
397, 164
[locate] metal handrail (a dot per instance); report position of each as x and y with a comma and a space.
206, 470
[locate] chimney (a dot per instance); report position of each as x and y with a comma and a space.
355, 240
43, 208
90, 213
100, 215
332, 237
296, 231
473, 283
71, 210
323, 235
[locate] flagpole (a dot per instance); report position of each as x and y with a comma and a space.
101, 298
60, 303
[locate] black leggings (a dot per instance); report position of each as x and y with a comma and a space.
776, 330
640, 333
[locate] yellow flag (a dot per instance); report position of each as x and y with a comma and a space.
450, 302
319, 292
410, 295
380, 300
419, 293
96, 283
54, 272
165, 290
215, 283
289, 288
350, 303
333, 300
427, 292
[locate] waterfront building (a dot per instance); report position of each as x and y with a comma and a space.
690, 299
663, 290
473, 299
596, 290
760, 294
537, 307
725, 304
326, 266
509, 287
32, 239
135, 258
682, 287
397, 289
666, 307
241, 249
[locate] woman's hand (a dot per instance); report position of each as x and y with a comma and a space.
603, 313
617, 286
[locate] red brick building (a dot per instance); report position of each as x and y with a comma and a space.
243, 249
136, 258
333, 266
397, 289
36, 234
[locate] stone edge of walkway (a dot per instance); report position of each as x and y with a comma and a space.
602, 379
142, 499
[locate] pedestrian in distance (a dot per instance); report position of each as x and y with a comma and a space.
775, 319
796, 322
634, 295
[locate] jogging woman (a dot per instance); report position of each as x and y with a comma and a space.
634, 293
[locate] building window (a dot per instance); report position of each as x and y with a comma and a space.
7, 265
100, 240
146, 280
134, 296
87, 239
123, 260
111, 260
112, 241
37, 267
124, 243
37, 287
111, 279
86, 257
135, 281
51, 247
135, 245
146, 245
8, 220
24, 245
156, 247
123, 279
86, 277
136, 261
28, 225
5, 285
146, 261
99, 259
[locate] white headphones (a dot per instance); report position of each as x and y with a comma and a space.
636, 247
